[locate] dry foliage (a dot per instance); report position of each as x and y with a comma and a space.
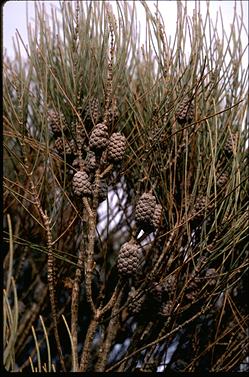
125, 194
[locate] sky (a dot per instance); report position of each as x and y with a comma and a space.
14, 17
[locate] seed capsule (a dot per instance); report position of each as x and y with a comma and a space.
144, 211
81, 184
99, 138
116, 147
129, 259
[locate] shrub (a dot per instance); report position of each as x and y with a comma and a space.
125, 194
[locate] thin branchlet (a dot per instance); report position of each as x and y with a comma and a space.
182, 116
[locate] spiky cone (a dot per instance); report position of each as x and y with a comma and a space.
73, 147
170, 285
222, 179
135, 303
199, 208
166, 309
144, 211
116, 148
230, 144
92, 110
129, 259
157, 216
56, 122
62, 146
90, 162
185, 112
99, 138
113, 113
81, 184
78, 143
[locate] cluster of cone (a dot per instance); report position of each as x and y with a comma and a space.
148, 217
99, 142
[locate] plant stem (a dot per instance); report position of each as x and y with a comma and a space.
88, 342
50, 266
111, 333
74, 308
89, 265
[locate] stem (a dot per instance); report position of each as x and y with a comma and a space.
87, 345
89, 265
159, 340
109, 85
111, 333
92, 218
50, 266
74, 309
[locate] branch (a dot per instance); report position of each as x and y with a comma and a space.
74, 308
111, 333
157, 341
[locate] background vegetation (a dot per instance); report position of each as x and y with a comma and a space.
65, 304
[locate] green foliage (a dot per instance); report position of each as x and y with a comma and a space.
181, 105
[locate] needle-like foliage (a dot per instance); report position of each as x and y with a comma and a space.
125, 193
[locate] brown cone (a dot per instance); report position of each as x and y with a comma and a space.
56, 122
129, 259
144, 211
135, 303
92, 110
116, 147
62, 145
185, 112
99, 138
81, 184
157, 216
